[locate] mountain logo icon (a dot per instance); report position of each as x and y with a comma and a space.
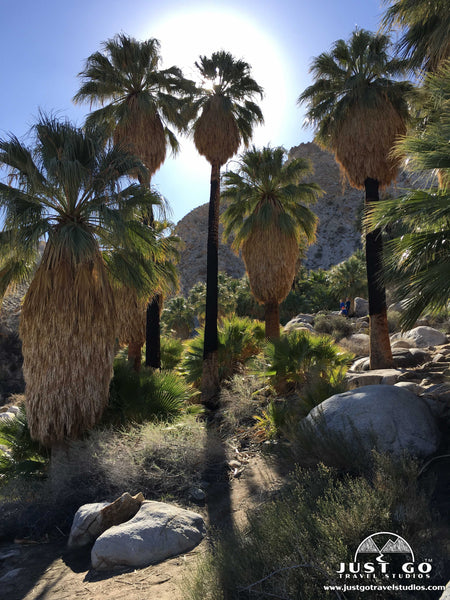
384, 542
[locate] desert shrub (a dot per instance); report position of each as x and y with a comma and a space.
171, 352
22, 456
240, 339
293, 545
394, 318
299, 358
240, 400
145, 395
162, 460
335, 325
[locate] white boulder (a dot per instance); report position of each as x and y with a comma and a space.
386, 417
361, 307
425, 336
155, 533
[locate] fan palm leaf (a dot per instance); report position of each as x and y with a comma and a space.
268, 218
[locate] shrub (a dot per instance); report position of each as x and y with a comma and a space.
293, 545
240, 399
171, 352
23, 456
240, 339
145, 395
299, 358
335, 325
159, 459
178, 316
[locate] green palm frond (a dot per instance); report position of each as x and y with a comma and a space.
425, 40
68, 190
265, 190
127, 73
419, 260
359, 72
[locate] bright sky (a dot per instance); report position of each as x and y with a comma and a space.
44, 44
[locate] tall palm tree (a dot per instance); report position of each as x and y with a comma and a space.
227, 115
140, 102
419, 259
268, 218
425, 41
68, 190
358, 109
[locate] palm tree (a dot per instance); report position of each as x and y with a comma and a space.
227, 117
139, 103
425, 42
419, 259
269, 221
358, 110
68, 190
349, 278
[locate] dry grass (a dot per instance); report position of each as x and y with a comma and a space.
270, 258
67, 330
363, 145
216, 134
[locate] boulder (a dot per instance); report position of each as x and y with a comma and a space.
425, 336
300, 322
91, 520
361, 307
374, 377
413, 387
155, 533
389, 418
401, 343
357, 343
446, 593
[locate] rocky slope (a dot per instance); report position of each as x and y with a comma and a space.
338, 235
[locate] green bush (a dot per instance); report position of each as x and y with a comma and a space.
240, 339
300, 358
293, 545
23, 456
171, 352
335, 325
145, 395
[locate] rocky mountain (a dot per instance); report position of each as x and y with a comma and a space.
338, 235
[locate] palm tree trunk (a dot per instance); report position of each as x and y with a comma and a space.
134, 355
153, 333
380, 353
210, 374
272, 320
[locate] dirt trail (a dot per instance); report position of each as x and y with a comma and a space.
50, 572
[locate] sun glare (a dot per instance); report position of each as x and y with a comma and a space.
189, 33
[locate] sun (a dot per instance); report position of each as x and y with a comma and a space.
189, 33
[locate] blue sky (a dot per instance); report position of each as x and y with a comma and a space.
43, 45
